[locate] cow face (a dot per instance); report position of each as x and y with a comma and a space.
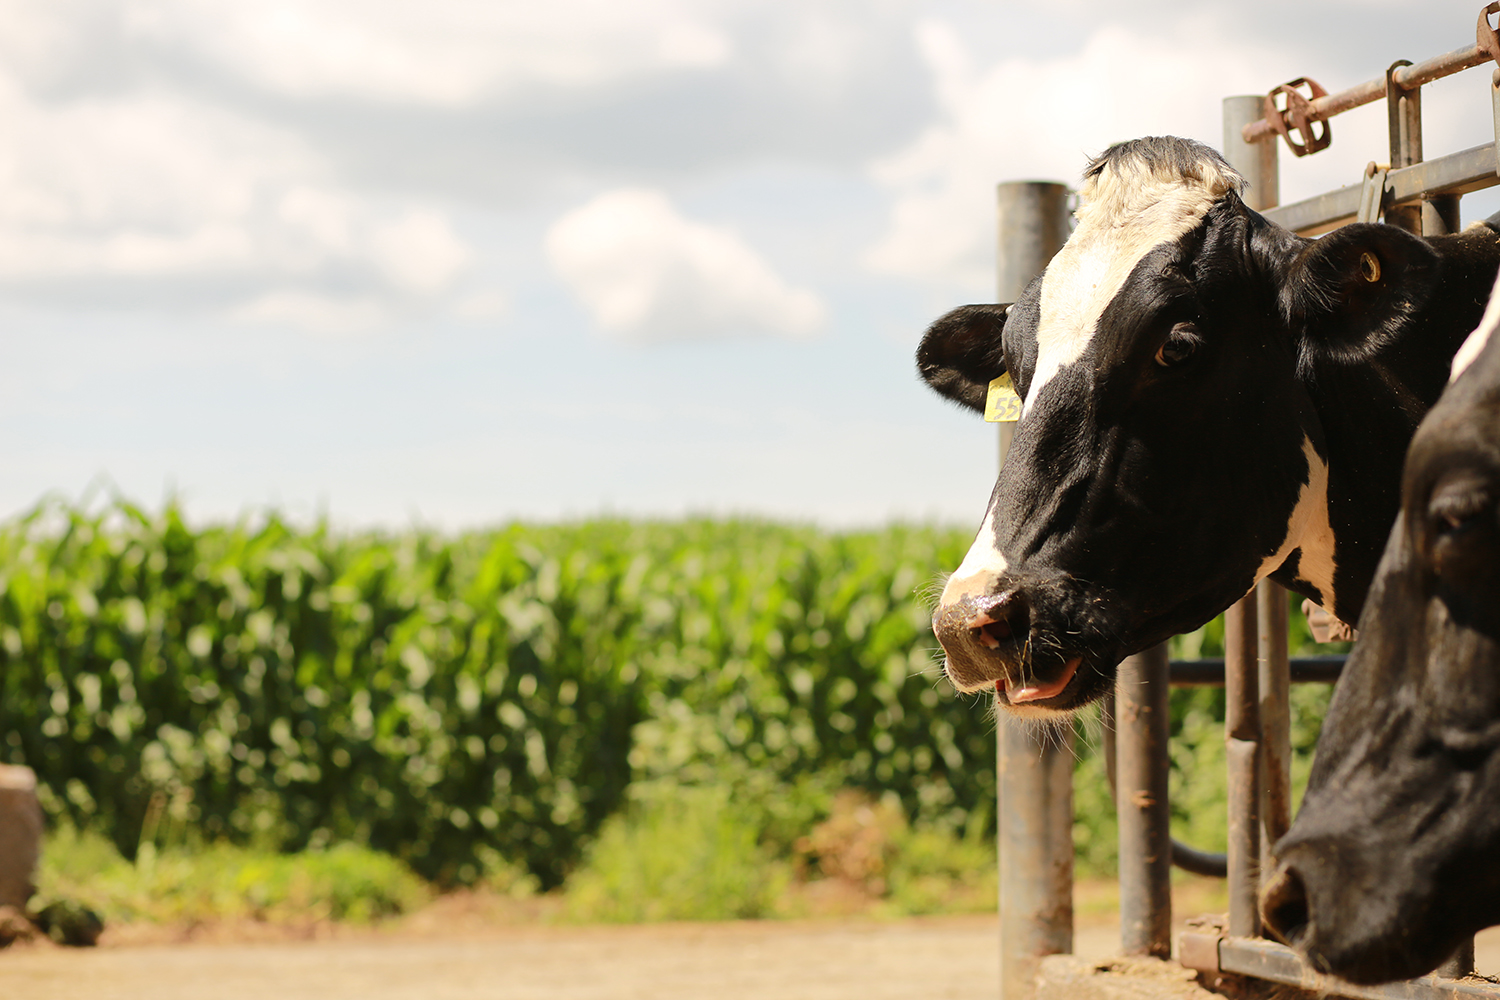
1395, 855
1168, 454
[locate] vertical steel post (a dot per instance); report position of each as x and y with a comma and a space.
1035, 768
1404, 120
1460, 963
1036, 852
1255, 653
1256, 161
1142, 770
1242, 743
1440, 215
1275, 682
1034, 224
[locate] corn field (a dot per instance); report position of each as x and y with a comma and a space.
456, 699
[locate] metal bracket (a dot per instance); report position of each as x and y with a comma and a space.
1485, 37
1372, 193
1302, 116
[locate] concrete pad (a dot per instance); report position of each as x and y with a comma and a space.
1118, 979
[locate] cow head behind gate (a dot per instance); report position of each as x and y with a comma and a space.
1170, 452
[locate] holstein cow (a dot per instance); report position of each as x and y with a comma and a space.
1395, 855
1207, 399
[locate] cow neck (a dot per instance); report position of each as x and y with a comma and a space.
1363, 407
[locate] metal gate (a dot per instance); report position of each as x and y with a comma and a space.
1035, 772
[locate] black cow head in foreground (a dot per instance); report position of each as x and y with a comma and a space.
1395, 855
1207, 399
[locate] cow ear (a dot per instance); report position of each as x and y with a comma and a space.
1349, 293
961, 353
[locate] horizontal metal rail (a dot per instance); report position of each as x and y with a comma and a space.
1406, 77
1457, 173
1210, 673
1263, 959
1206, 863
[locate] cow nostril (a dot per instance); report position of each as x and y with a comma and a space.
1007, 617
992, 633
1284, 907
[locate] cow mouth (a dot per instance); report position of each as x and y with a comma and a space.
1030, 690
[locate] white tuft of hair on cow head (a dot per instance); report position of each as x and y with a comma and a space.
1133, 199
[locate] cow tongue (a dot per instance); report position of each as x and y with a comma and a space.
1039, 692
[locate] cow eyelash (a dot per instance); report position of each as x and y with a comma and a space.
1181, 344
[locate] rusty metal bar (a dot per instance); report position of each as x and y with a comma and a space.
1277, 963
1242, 730
1457, 173
1142, 765
1242, 743
1406, 78
1256, 162
1035, 768
1275, 682
1440, 215
1210, 672
1209, 864
1190, 859
1404, 126
1036, 852
1034, 223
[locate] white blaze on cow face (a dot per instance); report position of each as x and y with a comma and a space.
982, 566
1125, 212
1309, 530
1481, 336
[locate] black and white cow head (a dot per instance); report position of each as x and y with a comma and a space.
1395, 855
1169, 453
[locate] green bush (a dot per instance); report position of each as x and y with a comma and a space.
695, 855
714, 853
190, 884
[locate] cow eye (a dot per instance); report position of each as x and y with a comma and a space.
1179, 345
1460, 524
1455, 505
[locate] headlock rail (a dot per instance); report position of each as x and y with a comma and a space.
1415, 194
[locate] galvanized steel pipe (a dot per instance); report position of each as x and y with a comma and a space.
1035, 769
1142, 769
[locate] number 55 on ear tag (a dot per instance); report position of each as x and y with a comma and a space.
1001, 404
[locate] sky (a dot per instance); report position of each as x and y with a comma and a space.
456, 262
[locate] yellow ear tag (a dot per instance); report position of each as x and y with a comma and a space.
1001, 404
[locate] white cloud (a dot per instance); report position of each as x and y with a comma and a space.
155, 186
419, 251
312, 311
647, 273
447, 54
1024, 118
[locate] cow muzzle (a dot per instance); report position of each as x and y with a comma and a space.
993, 641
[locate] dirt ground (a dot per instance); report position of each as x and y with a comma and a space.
454, 956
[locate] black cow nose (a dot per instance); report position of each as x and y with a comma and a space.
1283, 907
1002, 618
